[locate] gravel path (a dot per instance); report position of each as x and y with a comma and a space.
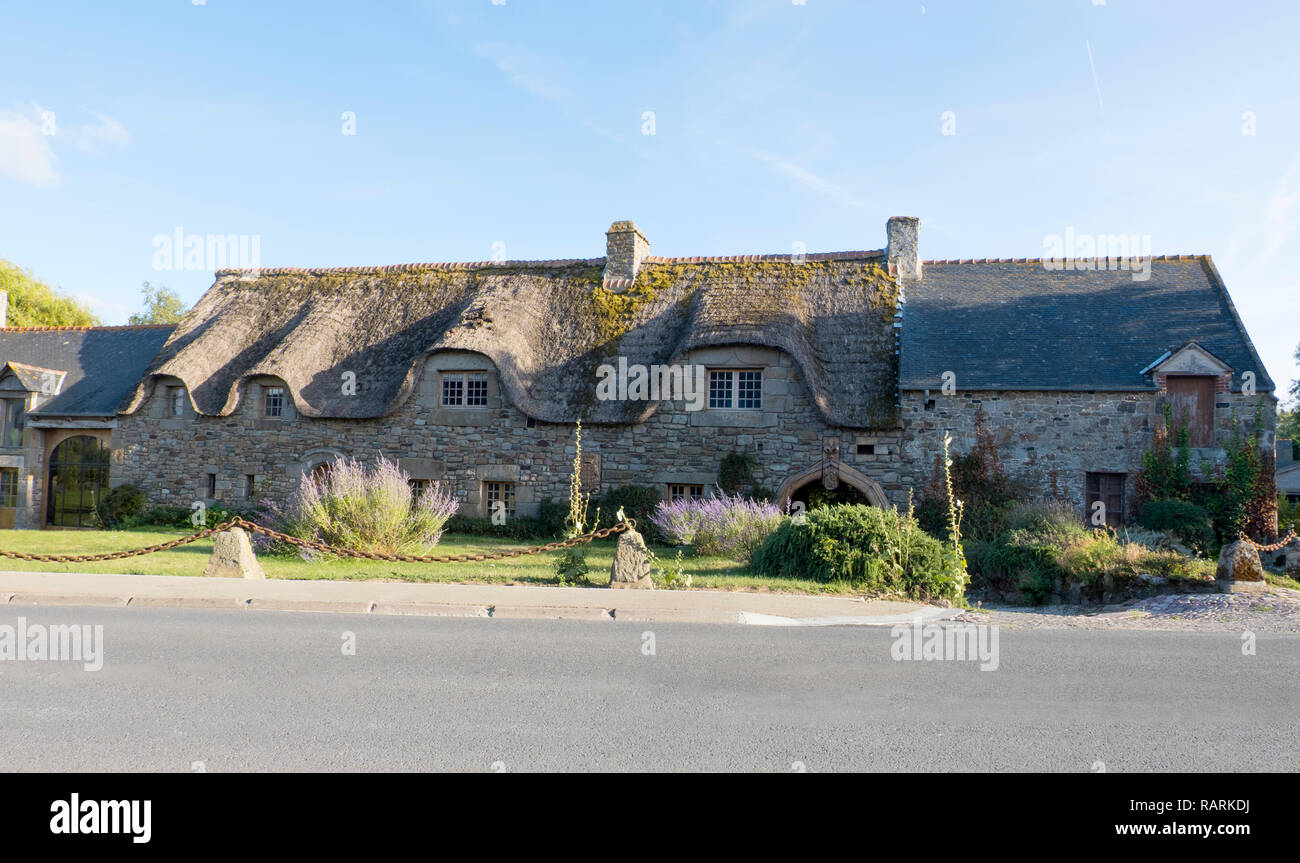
1275, 611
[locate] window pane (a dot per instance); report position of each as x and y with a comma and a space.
13, 422
9, 487
749, 390
274, 402
720, 389
476, 389
453, 390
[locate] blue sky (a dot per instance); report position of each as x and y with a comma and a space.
521, 124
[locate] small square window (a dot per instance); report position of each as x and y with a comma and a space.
866, 449
274, 404
464, 389
738, 389
212, 485
497, 493
250, 481
178, 401
9, 487
683, 491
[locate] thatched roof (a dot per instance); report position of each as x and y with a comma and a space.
546, 325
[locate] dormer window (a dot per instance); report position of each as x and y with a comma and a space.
736, 389
177, 403
464, 389
273, 402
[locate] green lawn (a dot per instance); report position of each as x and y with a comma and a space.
714, 573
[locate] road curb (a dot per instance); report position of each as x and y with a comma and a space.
927, 615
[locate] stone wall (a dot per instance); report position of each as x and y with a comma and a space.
1057, 438
1054, 438
171, 457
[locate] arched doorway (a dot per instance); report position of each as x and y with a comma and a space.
794, 487
78, 481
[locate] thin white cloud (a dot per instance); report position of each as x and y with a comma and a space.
1258, 243
102, 307
107, 133
523, 73
25, 153
804, 178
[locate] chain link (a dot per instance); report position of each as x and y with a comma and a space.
1290, 537
627, 524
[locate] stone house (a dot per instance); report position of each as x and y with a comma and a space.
841, 371
60, 388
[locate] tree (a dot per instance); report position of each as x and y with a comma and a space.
32, 303
162, 305
1295, 384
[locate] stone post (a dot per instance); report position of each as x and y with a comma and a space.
631, 567
232, 556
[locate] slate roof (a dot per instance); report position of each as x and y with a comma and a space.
1015, 325
103, 364
546, 325
35, 378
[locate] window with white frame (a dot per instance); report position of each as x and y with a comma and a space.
464, 389
177, 406
273, 403
738, 389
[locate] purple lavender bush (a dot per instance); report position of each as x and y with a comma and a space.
732, 526
367, 507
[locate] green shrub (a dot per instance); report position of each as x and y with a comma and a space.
1046, 550
513, 528
551, 515
1187, 521
122, 506
876, 550
166, 516
637, 502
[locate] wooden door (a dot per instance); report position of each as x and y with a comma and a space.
1192, 399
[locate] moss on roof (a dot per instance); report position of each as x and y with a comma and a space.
545, 325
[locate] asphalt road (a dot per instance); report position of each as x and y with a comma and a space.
273, 691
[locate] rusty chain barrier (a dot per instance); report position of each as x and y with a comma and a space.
1290, 537
253, 527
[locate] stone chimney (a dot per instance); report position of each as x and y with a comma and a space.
1284, 451
625, 247
903, 251
4, 308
